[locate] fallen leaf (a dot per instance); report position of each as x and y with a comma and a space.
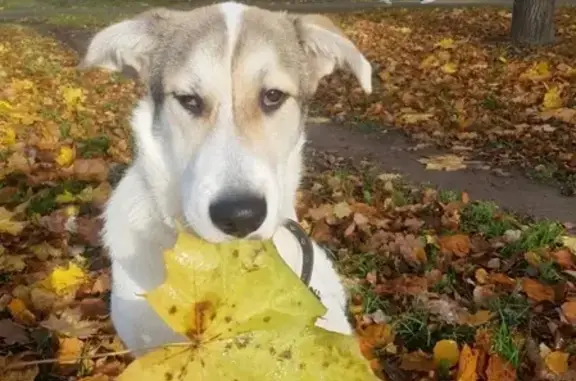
564, 258
374, 336
8, 225
70, 324
457, 244
69, 350
65, 156
557, 362
479, 318
444, 163
12, 333
91, 169
570, 242
417, 361
499, 370
467, 364
446, 351
445, 43
20, 312
342, 210
552, 99
537, 72
537, 291
64, 279
28, 373
569, 311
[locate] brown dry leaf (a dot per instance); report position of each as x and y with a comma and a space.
69, 350
8, 225
537, 291
12, 333
446, 351
499, 370
444, 163
557, 362
457, 244
479, 318
417, 361
97, 377
569, 311
70, 324
467, 364
28, 373
91, 169
342, 210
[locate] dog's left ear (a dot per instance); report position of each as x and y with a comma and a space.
329, 49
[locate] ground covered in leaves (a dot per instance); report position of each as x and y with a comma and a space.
450, 77
442, 287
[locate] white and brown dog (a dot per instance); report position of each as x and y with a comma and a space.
219, 142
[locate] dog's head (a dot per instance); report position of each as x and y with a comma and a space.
228, 87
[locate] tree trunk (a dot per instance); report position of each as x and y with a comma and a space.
533, 22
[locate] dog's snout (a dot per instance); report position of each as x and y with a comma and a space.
239, 214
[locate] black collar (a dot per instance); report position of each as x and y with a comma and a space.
307, 250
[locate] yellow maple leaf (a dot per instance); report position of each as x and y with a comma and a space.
445, 43
7, 136
8, 225
537, 72
467, 364
237, 330
557, 362
552, 99
444, 162
446, 351
449, 68
63, 279
65, 156
73, 96
570, 242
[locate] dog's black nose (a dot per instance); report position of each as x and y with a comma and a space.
238, 215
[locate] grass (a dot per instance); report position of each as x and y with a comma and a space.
486, 218
539, 235
504, 344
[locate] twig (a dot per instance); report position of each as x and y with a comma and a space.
23, 364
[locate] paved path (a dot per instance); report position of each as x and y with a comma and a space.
293, 6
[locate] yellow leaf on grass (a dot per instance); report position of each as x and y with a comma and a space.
65, 156
569, 242
9, 226
445, 43
238, 331
552, 99
447, 352
467, 364
63, 279
557, 362
444, 162
69, 350
449, 68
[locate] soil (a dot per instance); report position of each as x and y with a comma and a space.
391, 151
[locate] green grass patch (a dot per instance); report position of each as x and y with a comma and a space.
537, 236
512, 310
504, 344
94, 147
486, 218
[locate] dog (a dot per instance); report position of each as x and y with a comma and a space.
219, 138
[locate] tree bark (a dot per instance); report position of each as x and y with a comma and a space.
533, 22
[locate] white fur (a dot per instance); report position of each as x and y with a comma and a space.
182, 165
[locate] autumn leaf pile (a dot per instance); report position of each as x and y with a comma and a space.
451, 77
442, 288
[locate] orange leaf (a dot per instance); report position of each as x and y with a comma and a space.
458, 244
69, 350
569, 311
537, 291
500, 370
20, 312
467, 364
373, 336
564, 258
417, 361
502, 279
557, 362
479, 318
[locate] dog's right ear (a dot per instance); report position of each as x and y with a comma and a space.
126, 45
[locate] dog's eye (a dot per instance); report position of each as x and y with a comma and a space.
192, 103
271, 100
